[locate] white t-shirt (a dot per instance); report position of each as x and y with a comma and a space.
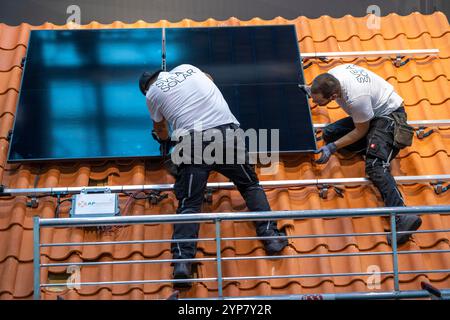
188, 99
365, 95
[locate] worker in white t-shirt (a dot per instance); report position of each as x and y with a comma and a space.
186, 98
375, 111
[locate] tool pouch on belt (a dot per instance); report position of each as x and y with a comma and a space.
403, 133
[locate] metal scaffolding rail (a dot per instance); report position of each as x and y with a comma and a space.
217, 218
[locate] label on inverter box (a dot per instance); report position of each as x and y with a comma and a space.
100, 204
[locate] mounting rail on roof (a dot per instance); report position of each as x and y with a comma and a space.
379, 53
436, 180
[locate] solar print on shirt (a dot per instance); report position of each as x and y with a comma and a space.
258, 71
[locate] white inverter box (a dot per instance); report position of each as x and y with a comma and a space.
95, 205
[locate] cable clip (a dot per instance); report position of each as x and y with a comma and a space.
323, 191
156, 197
399, 62
33, 203
439, 187
420, 132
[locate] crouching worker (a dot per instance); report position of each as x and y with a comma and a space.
376, 128
184, 98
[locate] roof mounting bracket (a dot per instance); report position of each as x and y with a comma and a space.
399, 62
208, 195
10, 132
33, 203
439, 187
323, 191
156, 197
22, 62
420, 132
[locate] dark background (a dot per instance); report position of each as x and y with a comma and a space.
14, 12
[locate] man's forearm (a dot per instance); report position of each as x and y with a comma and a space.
349, 138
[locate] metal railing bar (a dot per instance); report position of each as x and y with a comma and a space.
407, 294
312, 275
331, 235
342, 296
330, 275
425, 271
101, 263
322, 275
36, 258
394, 252
252, 216
104, 283
327, 255
72, 244
219, 260
299, 256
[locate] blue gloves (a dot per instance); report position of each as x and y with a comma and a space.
327, 151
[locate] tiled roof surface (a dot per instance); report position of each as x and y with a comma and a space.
423, 83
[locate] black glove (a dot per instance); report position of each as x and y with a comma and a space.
172, 168
164, 145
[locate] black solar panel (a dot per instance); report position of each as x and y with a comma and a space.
238, 55
258, 70
79, 97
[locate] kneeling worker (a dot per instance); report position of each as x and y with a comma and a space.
376, 128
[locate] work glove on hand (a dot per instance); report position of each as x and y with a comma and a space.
164, 145
327, 151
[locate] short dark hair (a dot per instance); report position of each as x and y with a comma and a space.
325, 84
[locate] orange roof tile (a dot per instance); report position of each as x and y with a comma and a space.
424, 84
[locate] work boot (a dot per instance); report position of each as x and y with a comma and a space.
274, 246
182, 270
405, 223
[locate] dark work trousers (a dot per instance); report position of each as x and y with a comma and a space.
379, 150
190, 188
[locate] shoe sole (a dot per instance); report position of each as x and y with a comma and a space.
403, 238
186, 284
273, 252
